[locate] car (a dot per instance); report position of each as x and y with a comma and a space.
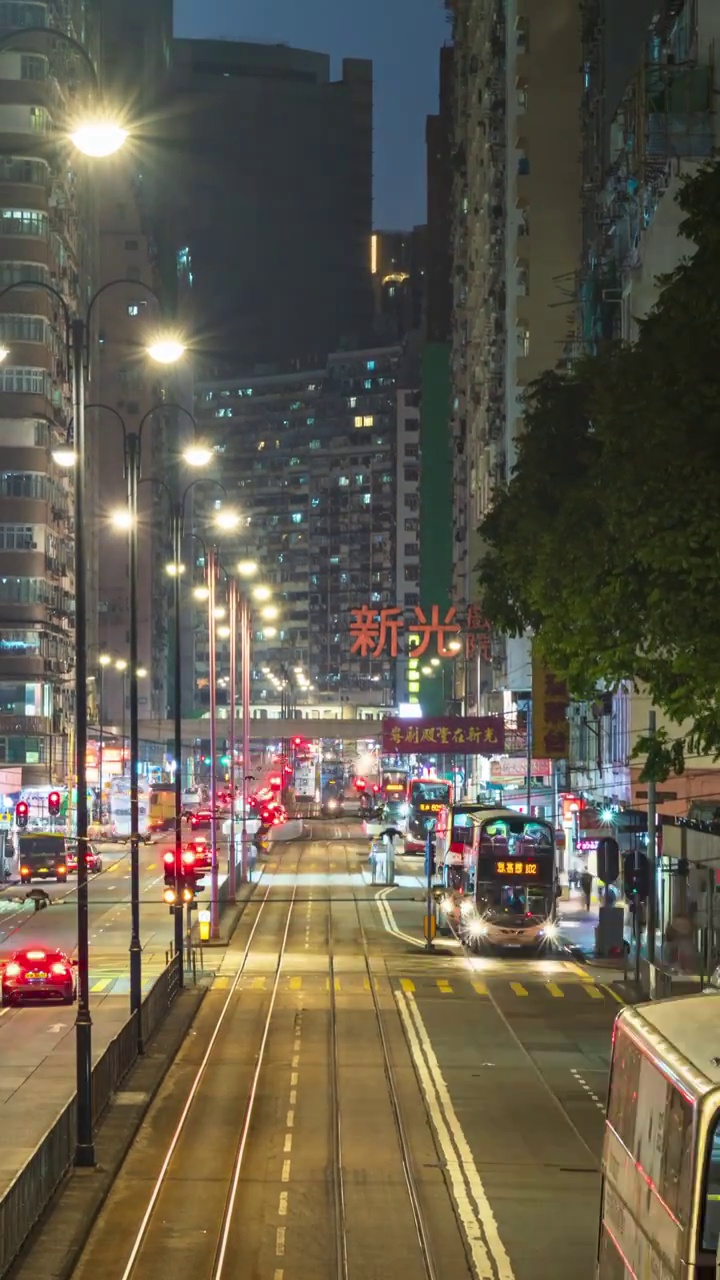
202, 851
93, 859
39, 974
200, 820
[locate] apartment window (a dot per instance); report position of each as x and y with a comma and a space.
22, 328
33, 67
412, 526
18, 169
367, 499
136, 308
18, 13
365, 420
412, 549
343, 482
522, 34
370, 364
20, 641
352, 401
17, 537
367, 383
296, 517
314, 444
27, 272
23, 590
23, 222
36, 381
23, 484
522, 96
39, 119
412, 475
412, 572
132, 244
523, 340
523, 279
523, 224
412, 450
523, 165
360, 478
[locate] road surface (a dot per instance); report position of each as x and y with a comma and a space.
37, 1044
348, 1105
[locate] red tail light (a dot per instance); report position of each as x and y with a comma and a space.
24, 871
61, 869
13, 969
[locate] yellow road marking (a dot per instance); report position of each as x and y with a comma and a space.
444, 986
101, 985
518, 988
258, 984
366, 984
592, 991
481, 988
407, 985
295, 984
221, 984
337, 984
554, 989
150, 866
612, 993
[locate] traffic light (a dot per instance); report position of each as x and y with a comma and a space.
54, 804
636, 877
608, 860
297, 742
22, 812
360, 784
180, 876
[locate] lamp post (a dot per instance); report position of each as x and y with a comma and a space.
104, 661
212, 677
247, 569
232, 606
101, 138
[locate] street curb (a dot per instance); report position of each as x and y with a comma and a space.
56, 1242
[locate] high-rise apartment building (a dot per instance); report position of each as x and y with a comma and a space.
517, 246
323, 466
46, 238
275, 203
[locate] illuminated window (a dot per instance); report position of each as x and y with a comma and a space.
297, 517
523, 340
364, 420
367, 499
370, 364
352, 401
343, 481
314, 444
261, 444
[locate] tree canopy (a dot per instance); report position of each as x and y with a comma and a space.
606, 540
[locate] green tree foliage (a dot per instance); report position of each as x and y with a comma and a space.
606, 541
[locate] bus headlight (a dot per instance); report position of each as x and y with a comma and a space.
551, 932
447, 905
467, 908
476, 928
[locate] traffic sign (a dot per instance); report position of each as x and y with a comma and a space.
429, 927
6, 820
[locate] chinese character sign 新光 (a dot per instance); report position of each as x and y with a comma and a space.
375, 632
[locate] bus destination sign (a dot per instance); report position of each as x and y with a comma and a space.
514, 868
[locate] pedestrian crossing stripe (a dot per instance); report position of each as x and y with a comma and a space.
407, 985
352, 984
555, 990
444, 986
518, 988
102, 985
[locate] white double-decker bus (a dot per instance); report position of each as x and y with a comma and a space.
120, 808
660, 1206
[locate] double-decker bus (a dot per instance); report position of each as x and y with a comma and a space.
120, 808
508, 897
393, 784
660, 1198
425, 798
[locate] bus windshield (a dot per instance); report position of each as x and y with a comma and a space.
498, 900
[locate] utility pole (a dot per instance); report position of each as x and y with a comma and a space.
652, 853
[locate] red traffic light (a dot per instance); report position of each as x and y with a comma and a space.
54, 804
360, 784
22, 811
297, 742
169, 858
188, 859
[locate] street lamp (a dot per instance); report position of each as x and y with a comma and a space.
104, 660
98, 138
261, 593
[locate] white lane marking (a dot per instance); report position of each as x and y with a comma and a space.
294, 1077
478, 1219
389, 922
285, 1175
290, 1119
279, 1242
598, 1102
288, 1144
283, 1204
293, 1097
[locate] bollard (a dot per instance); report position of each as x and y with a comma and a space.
204, 924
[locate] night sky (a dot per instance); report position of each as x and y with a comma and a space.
402, 37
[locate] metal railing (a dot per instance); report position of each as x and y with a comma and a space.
35, 1184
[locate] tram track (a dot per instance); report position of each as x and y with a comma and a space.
143, 1232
